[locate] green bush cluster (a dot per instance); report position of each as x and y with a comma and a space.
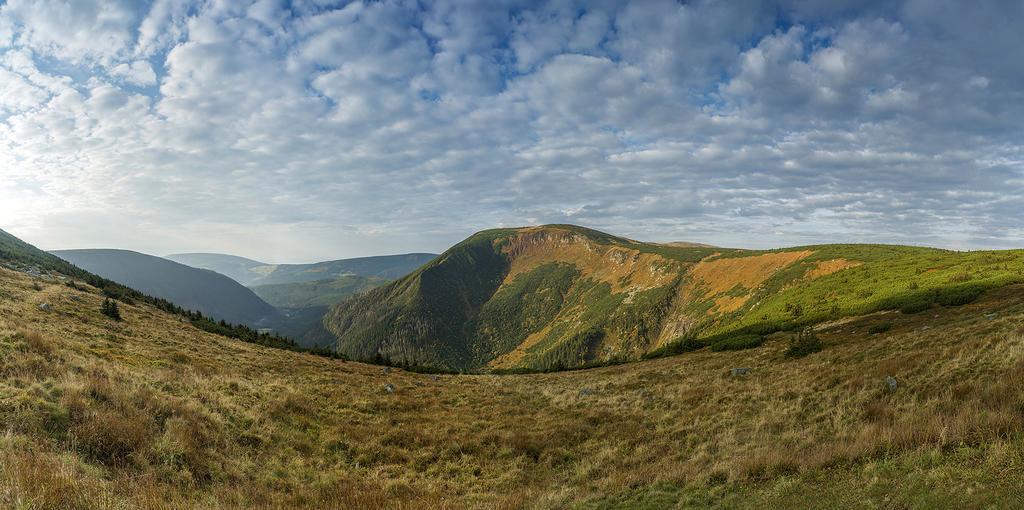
110, 309
804, 343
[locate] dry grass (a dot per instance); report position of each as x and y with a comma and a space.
711, 278
155, 414
622, 268
827, 267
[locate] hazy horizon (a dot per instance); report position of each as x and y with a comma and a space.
309, 130
442, 249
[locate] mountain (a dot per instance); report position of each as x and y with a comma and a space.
316, 293
896, 410
211, 293
252, 273
562, 296
239, 269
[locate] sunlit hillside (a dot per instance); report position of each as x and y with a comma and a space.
562, 296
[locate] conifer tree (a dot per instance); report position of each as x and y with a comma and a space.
110, 309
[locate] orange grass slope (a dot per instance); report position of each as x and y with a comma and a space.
152, 413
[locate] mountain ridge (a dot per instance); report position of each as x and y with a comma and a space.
203, 290
252, 273
562, 296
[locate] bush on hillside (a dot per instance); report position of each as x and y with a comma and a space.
957, 296
804, 343
110, 309
879, 328
678, 346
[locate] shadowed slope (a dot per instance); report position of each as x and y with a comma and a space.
211, 293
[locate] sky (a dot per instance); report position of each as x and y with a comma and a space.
303, 130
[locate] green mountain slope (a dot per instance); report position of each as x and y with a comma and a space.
563, 296
318, 293
211, 293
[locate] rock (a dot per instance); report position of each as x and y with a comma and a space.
586, 392
891, 382
435, 378
385, 370
390, 388
736, 372
45, 307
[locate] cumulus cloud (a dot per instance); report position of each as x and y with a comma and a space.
138, 72
315, 129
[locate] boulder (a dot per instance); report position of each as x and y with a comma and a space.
45, 307
736, 372
390, 388
891, 383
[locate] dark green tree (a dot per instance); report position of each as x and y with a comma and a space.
110, 309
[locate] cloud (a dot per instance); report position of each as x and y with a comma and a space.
315, 129
138, 72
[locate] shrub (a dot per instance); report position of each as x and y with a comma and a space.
679, 346
956, 296
879, 328
915, 306
804, 343
961, 277
110, 309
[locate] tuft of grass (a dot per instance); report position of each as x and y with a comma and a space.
35, 342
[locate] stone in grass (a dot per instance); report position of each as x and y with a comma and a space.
385, 370
390, 388
891, 383
736, 372
586, 392
45, 307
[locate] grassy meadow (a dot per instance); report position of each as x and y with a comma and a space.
153, 413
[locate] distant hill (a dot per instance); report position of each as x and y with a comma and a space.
209, 292
239, 269
562, 296
317, 293
252, 273
687, 244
